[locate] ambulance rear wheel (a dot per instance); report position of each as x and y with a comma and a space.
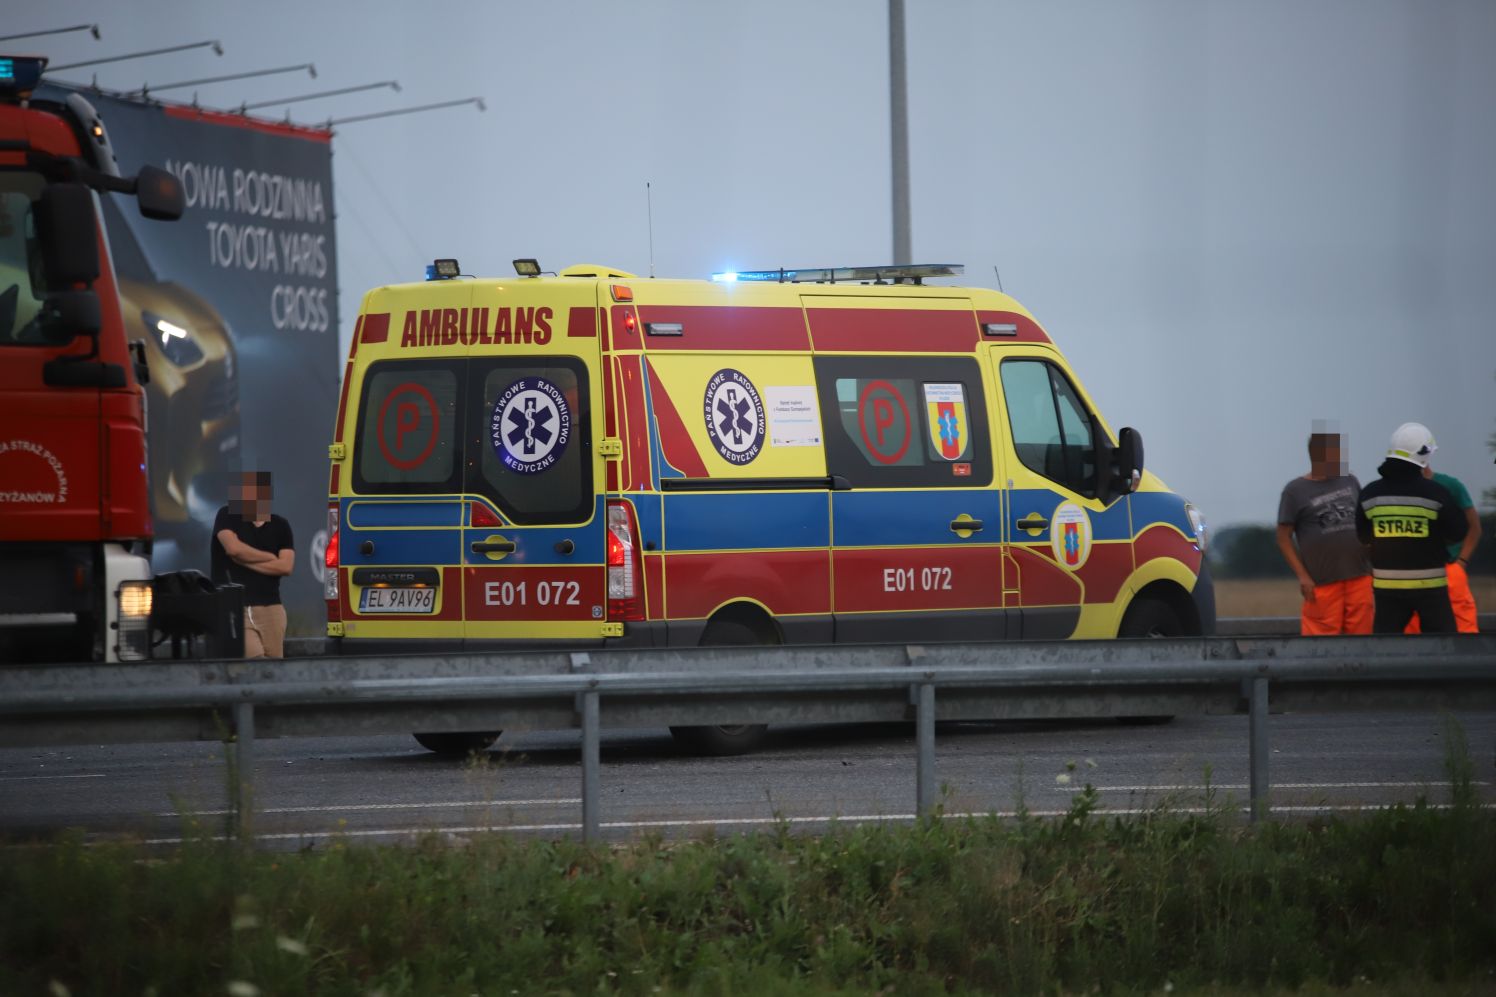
458, 745
1150, 618
726, 739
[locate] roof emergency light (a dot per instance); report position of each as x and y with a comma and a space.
19, 75
527, 268
911, 273
442, 270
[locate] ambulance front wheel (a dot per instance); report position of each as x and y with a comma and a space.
458, 745
1156, 619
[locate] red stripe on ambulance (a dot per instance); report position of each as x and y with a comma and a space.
892, 330
1028, 329
721, 327
635, 423
1167, 543
376, 328
907, 579
516, 593
675, 443
1041, 582
786, 581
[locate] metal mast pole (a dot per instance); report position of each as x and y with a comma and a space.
899, 130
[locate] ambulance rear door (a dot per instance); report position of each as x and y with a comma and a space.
402, 509
533, 538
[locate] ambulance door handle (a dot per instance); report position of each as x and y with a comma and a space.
366, 548
967, 525
1033, 523
565, 547
493, 547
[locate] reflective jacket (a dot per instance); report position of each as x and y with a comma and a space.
1408, 520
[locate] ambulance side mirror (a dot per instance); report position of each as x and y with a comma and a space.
1118, 468
1129, 460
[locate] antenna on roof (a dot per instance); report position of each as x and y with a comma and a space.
649, 211
999, 278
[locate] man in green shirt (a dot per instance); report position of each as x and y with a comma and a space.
1461, 599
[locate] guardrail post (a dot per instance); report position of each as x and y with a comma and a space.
591, 764
924, 736
1258, 749
244, 762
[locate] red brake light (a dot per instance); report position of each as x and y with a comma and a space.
330, 559
625, 574
483, 516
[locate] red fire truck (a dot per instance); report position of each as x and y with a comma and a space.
75, 525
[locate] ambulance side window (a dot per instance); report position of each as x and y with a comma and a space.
408, 436
529, 430
911, 422
1052, 432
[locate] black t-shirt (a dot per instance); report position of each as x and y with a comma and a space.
272, 536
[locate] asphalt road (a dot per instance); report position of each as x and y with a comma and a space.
313, 790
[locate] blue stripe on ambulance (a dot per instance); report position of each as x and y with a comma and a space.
1152, 508
746, 521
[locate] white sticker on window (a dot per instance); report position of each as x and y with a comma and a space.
792, 416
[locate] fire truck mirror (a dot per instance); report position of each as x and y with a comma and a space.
67, 230
160, 194
67, 315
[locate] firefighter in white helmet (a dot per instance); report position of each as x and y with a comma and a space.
1407, 520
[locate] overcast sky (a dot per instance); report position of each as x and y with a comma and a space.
1235, 217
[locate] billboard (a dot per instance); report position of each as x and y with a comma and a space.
237, 306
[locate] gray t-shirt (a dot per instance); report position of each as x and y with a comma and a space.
1323, 517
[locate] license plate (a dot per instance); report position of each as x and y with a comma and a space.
397, 600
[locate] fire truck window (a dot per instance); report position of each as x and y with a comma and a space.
529, 421
1051, 427
915, 422
409, 439
22, 285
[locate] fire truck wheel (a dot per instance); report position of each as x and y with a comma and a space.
728, 739
458, 745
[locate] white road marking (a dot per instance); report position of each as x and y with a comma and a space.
758, 821
18, 778
355, 807
1276, 785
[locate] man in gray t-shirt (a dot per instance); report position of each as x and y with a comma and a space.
1317, 535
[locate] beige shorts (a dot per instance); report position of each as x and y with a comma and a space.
265, 631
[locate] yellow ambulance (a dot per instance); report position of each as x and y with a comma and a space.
588, 459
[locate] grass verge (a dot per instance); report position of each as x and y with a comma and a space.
1394, 902
1083, 902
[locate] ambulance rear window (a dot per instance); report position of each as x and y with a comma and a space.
914, 422
409, 437
530, 420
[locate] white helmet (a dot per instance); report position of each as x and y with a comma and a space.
1412, 442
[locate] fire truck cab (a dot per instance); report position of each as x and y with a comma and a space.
75, 526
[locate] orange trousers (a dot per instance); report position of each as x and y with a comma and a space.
1344, 607
1461, 600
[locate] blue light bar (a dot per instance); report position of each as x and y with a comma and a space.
19, 75
911, 273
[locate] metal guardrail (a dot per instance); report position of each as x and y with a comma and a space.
1281, 626
74, 704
